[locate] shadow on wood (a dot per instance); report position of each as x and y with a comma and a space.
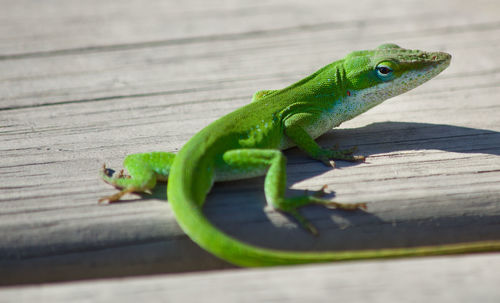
242, 212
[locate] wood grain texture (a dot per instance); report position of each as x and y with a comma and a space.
83, 83
446, 280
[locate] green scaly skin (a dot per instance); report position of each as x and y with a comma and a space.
248, 143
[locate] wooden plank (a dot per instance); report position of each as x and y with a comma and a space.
242, 61
444, 280
55, 27
431, 176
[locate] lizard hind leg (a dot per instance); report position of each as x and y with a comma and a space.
143, 172
275, 183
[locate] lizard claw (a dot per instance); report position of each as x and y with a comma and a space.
359, 158
344, 206
328, 156
327, 162
116, 197
320, 193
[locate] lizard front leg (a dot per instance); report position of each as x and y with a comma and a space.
294, 129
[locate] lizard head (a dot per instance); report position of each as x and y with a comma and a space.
387, 71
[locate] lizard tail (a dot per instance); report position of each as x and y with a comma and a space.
190, 180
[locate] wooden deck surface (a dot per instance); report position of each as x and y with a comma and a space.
88, 82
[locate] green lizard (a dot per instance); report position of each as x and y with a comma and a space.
248, 142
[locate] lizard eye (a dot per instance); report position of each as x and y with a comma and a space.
384, 72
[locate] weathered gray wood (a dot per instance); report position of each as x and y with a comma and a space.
78, 95
242, 59
33, 28
444, 280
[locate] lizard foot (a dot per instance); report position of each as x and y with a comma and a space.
291, 206
327, 156
345, 154
125, 183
